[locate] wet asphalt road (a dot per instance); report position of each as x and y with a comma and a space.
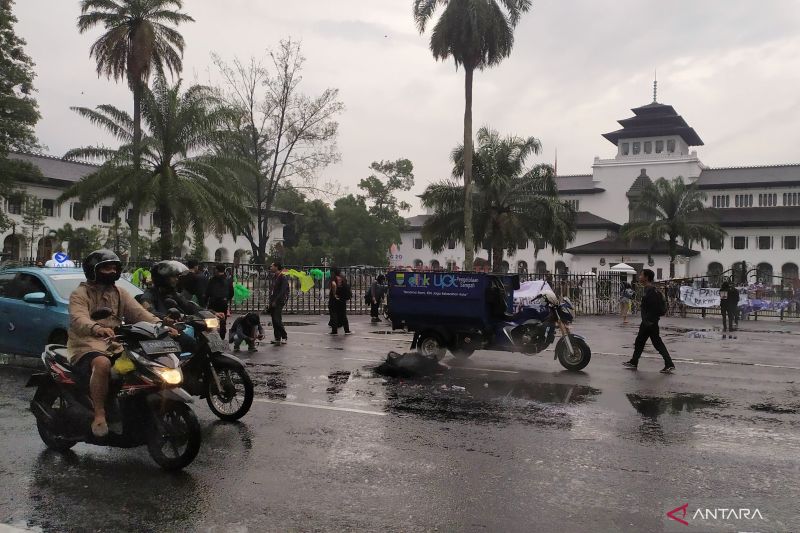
525, 446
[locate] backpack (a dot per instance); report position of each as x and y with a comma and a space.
662, 304
628, 293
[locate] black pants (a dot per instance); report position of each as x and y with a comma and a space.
338, 312
276, 312
649, 330
729, 319
218, 307
373, 311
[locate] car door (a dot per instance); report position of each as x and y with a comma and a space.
28, 323
6, 309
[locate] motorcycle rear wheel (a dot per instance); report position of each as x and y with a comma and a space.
175, 436
236, 398
48, 396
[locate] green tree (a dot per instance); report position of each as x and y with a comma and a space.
381, 187
32, 221
360, 238
477, 34
80, 241
673, 210
179, 177
512, 204
17, 107
139, 37
284, 135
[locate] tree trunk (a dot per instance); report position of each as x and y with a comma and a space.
165, 244
133, 224
672, 254
497, 258
469, 239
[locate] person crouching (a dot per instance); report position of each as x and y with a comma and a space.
247, 329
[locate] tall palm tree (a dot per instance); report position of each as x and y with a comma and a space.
672, 210
512, 204
179, 177
138, 38
477, 34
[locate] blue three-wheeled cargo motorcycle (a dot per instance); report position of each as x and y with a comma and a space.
467, 311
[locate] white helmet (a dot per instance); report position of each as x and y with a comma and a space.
549, 296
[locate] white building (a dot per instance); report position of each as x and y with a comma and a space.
59, 174
759, 208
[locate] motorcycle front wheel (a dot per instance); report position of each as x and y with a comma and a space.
580, 356
234, 400
48, 397
175, 437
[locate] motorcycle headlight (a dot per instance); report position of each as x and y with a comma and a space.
171, 376
212, 323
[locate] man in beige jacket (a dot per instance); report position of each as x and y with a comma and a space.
88, 338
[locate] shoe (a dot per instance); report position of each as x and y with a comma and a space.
276, 341
99, 428
374, 321
251, 350
348, 332
284, 341
629, 365
668, 369
333, 333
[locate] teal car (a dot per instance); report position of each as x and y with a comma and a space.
34, 307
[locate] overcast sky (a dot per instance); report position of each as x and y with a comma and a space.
730, 67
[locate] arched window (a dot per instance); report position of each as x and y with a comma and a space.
715, 274
12, 246
789, 271
418, 264
541, 268
505, 267
764, 273
561, 267
221, 255
239, 256
522, 267
435, 265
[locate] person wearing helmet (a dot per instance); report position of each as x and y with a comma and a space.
165, 276
247, 329
88, 338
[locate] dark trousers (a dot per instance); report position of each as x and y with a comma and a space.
276, 312
649, 330
729, 319
219, 307
373, 311
338, 312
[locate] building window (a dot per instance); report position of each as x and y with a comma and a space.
790, 243
671, 146
15, 206
418, 244
739, 243
765, 243
575, 204
648, 147
659, 273
77, 211
451, 244
794, 198
105, 214
48, 208
716, 244
540, 244
637, 147
625, 149
521, 245
659, 146
155, 219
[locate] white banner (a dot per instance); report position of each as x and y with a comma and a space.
708, 297
528, 291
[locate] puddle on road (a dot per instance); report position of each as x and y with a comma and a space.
337, 380
770, 407
479, 400
713, 335
285, 323
269, 380
390, 332
675, 404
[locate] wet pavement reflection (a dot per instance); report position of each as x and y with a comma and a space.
661, 415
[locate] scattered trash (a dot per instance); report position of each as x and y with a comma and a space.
457, 388
409, 364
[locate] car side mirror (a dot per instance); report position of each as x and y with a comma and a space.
101, 313
35, 298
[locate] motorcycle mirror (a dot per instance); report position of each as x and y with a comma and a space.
101, 313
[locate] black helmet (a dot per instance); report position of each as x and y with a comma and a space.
164, 270
101, 257
252, 319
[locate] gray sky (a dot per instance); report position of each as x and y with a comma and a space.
730, 67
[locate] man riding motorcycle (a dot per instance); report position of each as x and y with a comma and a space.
165, 275
88, 340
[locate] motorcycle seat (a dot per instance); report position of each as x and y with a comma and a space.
61, 355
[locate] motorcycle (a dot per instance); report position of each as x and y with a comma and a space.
209, 372
145, 405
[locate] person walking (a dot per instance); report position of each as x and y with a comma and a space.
278, 294
733, 306
654, 306
218, 295
338, 295
726, 306
626, 295
375, 296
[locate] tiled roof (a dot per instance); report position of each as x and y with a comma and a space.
57, 169
750, 217
619, 246
583, 220
749, 177
577, 184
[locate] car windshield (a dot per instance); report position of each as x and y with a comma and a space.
66, 283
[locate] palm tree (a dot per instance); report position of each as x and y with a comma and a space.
512, 204
179, 176
138, 38
672, 210
477, 34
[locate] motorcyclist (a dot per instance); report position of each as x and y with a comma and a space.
165, 276
88, 339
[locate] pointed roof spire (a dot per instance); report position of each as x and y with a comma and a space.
655, 86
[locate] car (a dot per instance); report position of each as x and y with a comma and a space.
34, 307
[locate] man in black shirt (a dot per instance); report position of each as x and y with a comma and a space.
219, 293
653, 308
